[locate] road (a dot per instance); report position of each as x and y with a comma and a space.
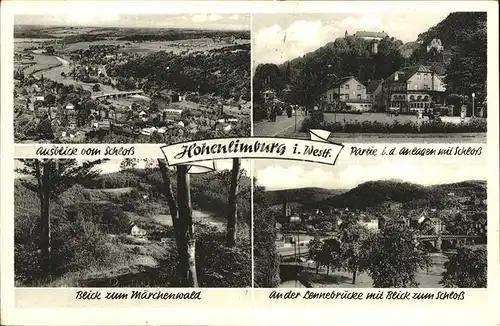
283, 125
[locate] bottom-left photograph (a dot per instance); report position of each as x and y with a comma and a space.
131, 223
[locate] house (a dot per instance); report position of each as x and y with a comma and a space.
268, 95
373, 37
478, 227
367, 35
413, 89
136, 231
39, 98
295, 219
433, 223
435, 44
374, 92
346, 92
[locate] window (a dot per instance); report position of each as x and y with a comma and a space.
412, 98
359, 96
416, 86
419, 77
346, 96
425, 76
359, 87
426, 86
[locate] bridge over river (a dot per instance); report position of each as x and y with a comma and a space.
435, 239
117, 95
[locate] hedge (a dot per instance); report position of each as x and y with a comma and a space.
408, 127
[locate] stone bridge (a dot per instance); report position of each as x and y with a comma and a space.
437, 239
117, 95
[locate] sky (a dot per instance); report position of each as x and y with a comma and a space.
277, 38
114, 165
349, 172
201, 21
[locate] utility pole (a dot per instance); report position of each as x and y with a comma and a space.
295, 114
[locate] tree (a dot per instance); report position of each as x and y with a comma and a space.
352, 237
315, 251
96, 88
128, 164
44, 129
331, 254
182, 221
52, 178
394, 258
467, 268
232, 203
266, 258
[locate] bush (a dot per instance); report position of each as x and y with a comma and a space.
109, 217
218, 265
408, 127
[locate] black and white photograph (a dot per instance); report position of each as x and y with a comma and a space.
420, 223
373, 77
131, 223
122, 78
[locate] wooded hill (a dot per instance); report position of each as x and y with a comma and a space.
221, 72
301, 196
463, 35
376, 193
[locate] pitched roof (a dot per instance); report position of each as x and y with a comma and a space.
406, 73
370, 34
372, 85
439, 68
339, 81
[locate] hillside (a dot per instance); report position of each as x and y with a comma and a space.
408, 48
302, 196
464, 38
220, 72
377, 193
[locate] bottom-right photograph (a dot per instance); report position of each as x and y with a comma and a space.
371, 223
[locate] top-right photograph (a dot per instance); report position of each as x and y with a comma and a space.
379, 77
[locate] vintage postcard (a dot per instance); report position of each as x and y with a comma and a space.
249, 163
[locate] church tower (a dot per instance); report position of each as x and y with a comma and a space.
346, 33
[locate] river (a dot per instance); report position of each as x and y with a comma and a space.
54, 73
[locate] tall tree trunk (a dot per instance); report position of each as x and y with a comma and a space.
317, 268
233, 207
45, 239
167, 191
327, 269
354, 277
187, 249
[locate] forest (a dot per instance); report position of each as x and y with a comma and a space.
463, 34
72, 225
220, 72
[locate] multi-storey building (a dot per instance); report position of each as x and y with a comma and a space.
346, 92
416, 88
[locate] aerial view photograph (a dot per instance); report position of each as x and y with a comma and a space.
378, 77
373, 225
131, 79
131, 223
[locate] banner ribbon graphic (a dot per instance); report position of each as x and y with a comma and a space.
200, 155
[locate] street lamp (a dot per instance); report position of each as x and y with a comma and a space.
473, 96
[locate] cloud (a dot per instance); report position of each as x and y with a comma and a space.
275, 45
84, 18
349, 172
306, 33
363, 22
200, 18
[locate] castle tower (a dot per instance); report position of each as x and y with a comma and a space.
346, 33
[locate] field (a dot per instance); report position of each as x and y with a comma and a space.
42, 62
